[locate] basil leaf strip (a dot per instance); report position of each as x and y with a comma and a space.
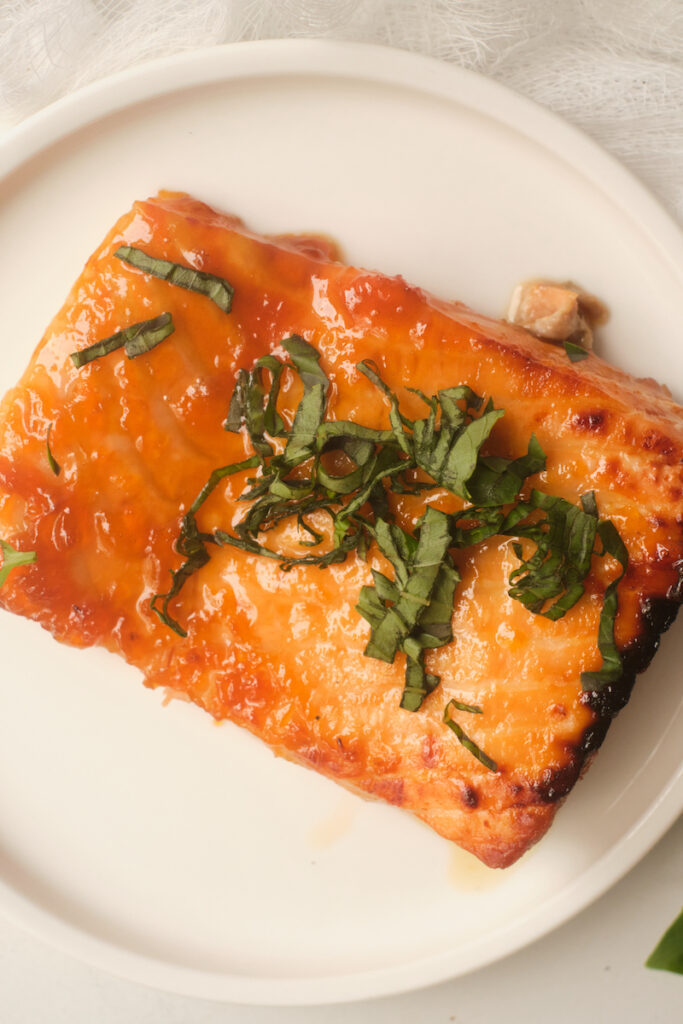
412, 612
311, 409
136, 339
611, 669
562, 560
496, 481
450, 451
575, 352
215, 288
435, 622
252, 407
11, 559
467, 743
54, 465
237, 408
416, 581
192, 544
473, 709
419, 683
396, 418
668, 954
462, 456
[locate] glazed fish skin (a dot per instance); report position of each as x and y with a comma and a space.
282, 653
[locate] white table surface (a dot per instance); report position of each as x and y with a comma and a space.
589, 970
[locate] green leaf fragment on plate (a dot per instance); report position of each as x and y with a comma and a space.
668, 954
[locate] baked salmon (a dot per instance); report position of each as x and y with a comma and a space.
107, 448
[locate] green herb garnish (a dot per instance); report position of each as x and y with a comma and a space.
11, 559
192, 544
668, 954
412, 612
299, 480
467, 743
611, 669
350, 471
496, 481
136, 340
575, 352
551, 580
564, 547
144, 336
215, 288
54, 465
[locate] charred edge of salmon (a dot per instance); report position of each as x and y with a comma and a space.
657, 615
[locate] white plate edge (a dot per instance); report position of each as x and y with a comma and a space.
402, 69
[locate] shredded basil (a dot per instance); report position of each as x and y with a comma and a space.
467, 743
215, 288
416, 573
473, 709
153, 333
135, 340
575, 352
192, 544
611, 669
54, 465
311, 409
411, 613
496, 481
299, 480
564, 547
11, 559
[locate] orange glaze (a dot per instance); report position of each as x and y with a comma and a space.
282, 653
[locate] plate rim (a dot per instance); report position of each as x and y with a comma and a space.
382, 65
331, 58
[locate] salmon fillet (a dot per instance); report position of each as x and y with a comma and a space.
282, 653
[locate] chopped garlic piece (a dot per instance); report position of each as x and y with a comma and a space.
556, 312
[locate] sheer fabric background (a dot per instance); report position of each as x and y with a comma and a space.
612, 67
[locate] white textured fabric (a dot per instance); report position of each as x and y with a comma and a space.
612, 67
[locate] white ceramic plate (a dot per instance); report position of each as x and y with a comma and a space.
151, 843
